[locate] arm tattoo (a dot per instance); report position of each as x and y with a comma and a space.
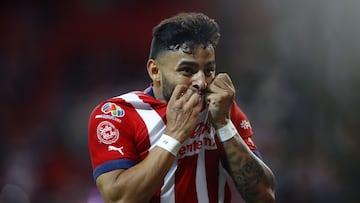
247, 178
245, 170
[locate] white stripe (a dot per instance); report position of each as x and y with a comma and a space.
155, 127
168, 189
201, 183
151, 118
222, 182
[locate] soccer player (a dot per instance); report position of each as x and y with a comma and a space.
183, 139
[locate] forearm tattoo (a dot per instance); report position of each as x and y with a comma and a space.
245, 170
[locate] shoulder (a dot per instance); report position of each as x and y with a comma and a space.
124, 100
127, 104
112, 109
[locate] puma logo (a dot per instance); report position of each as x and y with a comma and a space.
113, 148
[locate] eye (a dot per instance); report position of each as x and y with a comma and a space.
187, 71
209, 72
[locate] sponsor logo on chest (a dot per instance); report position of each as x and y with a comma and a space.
201, 139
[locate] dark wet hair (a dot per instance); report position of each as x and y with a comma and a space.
186, 31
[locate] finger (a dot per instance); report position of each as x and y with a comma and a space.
194, 105
221, 82
224, 77
188, 94
178, 92
194, 100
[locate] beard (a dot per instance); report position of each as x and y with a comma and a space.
167, 88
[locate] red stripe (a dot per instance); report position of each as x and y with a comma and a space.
227, 193
212, 174
185, 183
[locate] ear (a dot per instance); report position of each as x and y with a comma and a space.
153, 70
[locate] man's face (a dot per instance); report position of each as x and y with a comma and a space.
196, 69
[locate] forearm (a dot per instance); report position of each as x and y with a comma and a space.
140, 182
253, 179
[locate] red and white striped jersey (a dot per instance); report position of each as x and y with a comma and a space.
123, 129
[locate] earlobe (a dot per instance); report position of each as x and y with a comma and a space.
153, 70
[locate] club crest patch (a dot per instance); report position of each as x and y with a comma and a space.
113, 109
107, 133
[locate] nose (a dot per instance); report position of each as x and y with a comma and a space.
199, 81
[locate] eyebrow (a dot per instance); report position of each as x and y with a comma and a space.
191, 63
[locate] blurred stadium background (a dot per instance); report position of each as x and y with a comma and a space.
295, 65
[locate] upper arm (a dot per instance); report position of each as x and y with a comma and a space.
106, 184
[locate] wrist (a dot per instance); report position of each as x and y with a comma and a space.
169, 144
226, 132
220, 123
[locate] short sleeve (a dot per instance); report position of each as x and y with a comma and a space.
243, 126
110, 138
